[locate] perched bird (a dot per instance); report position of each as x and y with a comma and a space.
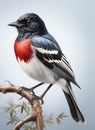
40, 56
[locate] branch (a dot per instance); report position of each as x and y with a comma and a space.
36, 115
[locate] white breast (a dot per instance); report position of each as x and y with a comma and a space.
37, 70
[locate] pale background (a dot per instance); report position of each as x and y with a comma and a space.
72, 23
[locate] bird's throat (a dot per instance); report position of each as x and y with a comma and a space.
23, 50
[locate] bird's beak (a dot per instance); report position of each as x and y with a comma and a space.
14, 24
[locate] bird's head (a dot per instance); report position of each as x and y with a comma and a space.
30, 23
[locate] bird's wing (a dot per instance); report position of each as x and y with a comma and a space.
50, 54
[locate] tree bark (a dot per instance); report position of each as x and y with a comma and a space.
36, 109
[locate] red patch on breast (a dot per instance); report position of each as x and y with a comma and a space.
23, 50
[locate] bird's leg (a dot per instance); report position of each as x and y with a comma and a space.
31, 89
42, 96
36, 86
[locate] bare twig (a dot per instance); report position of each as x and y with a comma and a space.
36, 115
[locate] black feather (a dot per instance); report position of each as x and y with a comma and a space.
74, 109
45, 62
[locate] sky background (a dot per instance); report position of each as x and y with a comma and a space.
72, 23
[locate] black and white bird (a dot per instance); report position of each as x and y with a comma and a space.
40, 56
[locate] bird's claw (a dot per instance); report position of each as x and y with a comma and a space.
26, 89
39, 98
34, 96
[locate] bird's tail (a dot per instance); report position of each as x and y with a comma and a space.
74, 108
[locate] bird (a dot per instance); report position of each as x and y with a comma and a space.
41, 58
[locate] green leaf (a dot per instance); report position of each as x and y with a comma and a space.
8, 123
12, 120
48, 120
23, 107
14, 110
59, 118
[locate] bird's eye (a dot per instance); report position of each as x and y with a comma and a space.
21, 21
28, 21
